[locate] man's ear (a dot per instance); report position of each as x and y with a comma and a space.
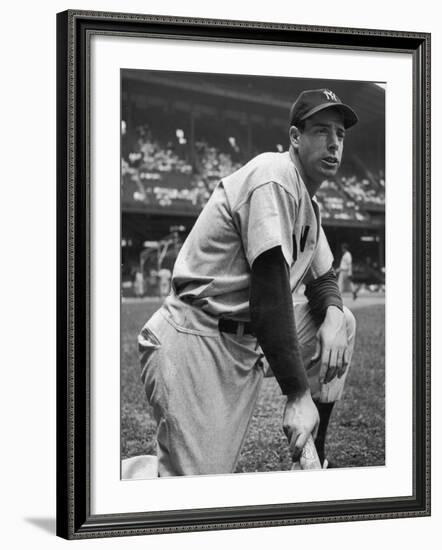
294, 134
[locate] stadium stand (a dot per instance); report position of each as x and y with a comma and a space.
182, 133
151, 169
154, 173
369, 190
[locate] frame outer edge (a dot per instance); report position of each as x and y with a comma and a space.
265, 25
427, 260
73, 503
62, 289
75, 525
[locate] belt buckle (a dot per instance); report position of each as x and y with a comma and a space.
240, 329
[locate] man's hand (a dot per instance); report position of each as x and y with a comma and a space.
332, 346
301, 419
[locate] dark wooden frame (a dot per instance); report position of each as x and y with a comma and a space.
74, 519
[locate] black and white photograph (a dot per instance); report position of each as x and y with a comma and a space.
252, 274
243, 302
222, 253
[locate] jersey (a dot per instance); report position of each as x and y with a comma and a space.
346, 263
262, 205
164, 276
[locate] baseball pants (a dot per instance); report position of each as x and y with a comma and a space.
203, 384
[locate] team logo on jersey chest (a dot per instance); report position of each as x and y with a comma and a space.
302, 240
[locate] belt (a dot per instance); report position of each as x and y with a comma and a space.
235, 327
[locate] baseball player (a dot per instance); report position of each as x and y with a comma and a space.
345, 270
256, 241
164, 276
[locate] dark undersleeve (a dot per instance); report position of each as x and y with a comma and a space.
271, 310
322, 293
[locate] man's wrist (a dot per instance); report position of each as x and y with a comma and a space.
322, 293
295, 385
334, 312
333, 308
297, 396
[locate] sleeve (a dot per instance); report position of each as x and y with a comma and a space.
322, 293
322, 260
265, 220
272, 317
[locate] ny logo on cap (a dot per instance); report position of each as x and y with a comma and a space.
331, 96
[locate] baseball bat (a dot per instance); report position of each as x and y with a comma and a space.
309, 459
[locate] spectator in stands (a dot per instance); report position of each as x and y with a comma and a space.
367, 190
157, 151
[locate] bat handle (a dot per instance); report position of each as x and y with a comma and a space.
309, 459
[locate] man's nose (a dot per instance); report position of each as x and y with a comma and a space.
333, 142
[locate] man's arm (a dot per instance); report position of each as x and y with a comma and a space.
326, 305
271, 311
322, 293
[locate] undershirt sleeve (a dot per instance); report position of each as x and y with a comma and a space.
322, 293
273, 320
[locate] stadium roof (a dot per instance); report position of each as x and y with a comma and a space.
366, 98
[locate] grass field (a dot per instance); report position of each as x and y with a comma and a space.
357, 428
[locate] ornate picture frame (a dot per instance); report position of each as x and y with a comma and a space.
75, 218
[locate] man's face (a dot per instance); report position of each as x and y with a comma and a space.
320, 145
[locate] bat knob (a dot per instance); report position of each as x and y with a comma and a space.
309, 459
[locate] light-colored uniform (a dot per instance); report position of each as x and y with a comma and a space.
164, 276
203, 384
139, 284
345, 272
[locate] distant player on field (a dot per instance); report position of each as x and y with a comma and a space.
164, 276
345, 269
256, 241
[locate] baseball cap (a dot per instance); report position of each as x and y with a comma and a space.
310, 102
